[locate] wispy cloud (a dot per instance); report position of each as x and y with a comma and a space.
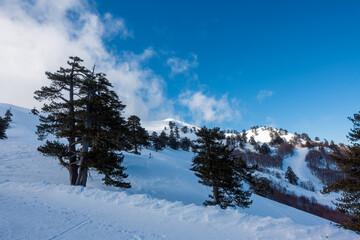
41, 35
264, 94
207, 108
181, 66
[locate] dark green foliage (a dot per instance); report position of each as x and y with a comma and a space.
185, 144
84, 111
348, 163
252, 141
291, 176
7, 117
185, 129
163, 139
306, 137
317, 139
172, 125
219, 168
275, 139
3, 127
177, 135
156, 143
264, 149
34, 111
261, 186
173, 143
138, 136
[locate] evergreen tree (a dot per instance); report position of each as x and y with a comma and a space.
59, 117
252, 141
172, 125
291, 176
3, 127
348, 163
185, 144
156, 143
92, 120
163, 139
34, 111
217, 167
276, 139
173, 143
176, 131
261, 186
264, 149
100, 111
8, 116
138, 136
185, 129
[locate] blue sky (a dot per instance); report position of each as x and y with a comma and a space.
302, 55
233, 64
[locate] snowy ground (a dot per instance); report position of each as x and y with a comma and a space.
163, 203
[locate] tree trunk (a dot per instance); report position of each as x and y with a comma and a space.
72, 146
83, 169
73, 172
216, 194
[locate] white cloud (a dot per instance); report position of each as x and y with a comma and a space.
264, 94
208, 108
181, 66
40, 35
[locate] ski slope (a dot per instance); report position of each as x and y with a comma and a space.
163, 203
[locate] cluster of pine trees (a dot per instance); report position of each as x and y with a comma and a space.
173, 141
5, 123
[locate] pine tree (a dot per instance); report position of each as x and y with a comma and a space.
176, 131
219, 168
261, 186
59, 115
100, 111
138, 136
264, 149
185, 144
92, 120
3, 127
34, 111
184, 129
156, 143
173, 143
7, 118
291, 176
348, 163
163, 138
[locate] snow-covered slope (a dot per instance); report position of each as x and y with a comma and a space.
163, 203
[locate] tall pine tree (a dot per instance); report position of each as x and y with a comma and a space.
83, 110
218, 168
59, 117
138, 136
348, 163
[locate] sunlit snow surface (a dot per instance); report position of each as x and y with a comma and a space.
164, 202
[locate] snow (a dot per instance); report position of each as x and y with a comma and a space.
65, 212
163, 203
